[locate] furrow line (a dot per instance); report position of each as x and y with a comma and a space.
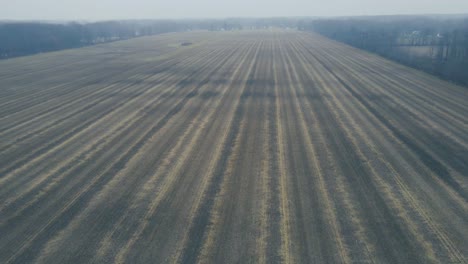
203, 204
405, 217
108, 173
329, 206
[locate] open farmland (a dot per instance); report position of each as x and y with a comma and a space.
244, 147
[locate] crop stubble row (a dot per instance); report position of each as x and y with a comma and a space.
266, 146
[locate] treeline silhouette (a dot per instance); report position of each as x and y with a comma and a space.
18, 39
26, 38
437, 45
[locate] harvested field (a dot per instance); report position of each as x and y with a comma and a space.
244, 147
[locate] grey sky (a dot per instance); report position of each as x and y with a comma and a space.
128, 9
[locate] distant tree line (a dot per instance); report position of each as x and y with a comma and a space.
18, 39
433, 44
25, 38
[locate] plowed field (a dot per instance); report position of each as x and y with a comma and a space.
244, 147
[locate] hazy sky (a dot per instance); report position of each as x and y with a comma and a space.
127, 9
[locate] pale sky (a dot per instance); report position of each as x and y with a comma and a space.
162, 9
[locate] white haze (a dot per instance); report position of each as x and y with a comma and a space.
162, 9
